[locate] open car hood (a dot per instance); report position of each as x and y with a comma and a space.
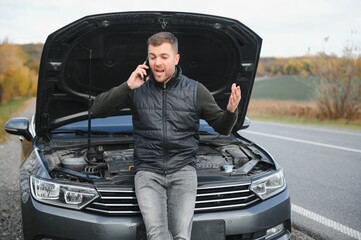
98, 52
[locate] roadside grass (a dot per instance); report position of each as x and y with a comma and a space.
7, 111
294, 112
341, 124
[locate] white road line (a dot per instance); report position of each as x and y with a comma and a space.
303, 141
327, 222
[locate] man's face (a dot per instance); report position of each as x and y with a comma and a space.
162, 61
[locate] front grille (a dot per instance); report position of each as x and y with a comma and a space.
209, 198
224, 197
115, 202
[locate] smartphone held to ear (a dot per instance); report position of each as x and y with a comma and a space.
147, 70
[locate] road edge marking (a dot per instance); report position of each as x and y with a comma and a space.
303, 141
327, 222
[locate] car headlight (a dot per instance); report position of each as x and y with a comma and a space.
269, 186
63, 195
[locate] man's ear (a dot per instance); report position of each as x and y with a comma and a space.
177, 57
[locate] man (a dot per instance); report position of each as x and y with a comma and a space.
166, 107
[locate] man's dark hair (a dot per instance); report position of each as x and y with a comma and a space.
163, 37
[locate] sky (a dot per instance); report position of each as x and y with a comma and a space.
289, 28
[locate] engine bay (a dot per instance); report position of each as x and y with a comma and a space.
107, 161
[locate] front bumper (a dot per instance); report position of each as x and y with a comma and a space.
42, 221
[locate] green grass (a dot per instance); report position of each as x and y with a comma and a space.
6, 112
285, 88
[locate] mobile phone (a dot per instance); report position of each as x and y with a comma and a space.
147, 70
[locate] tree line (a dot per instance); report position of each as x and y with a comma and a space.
338, 93
18, 70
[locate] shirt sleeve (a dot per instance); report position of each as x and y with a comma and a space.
220, 120
108, 103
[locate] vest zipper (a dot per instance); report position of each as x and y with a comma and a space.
165, 128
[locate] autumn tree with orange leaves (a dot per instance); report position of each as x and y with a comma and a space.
16, 79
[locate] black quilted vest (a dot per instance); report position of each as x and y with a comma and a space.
165, 125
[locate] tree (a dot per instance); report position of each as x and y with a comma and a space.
338, 93
16, 79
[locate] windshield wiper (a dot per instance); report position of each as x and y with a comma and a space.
205, 133
85, 132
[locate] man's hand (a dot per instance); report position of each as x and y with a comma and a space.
234, 98
138, 77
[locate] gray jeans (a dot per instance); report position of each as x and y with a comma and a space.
167, 203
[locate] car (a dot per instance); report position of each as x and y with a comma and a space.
76, 176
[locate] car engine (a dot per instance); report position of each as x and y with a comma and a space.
108, 161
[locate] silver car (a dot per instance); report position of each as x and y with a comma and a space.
242, 192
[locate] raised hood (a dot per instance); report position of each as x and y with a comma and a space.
98, 52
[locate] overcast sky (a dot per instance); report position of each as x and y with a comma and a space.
288, 27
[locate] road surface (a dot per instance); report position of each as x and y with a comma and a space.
323, 171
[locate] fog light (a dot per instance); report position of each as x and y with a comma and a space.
274, 231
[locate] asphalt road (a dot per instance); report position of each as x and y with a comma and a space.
323, 171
